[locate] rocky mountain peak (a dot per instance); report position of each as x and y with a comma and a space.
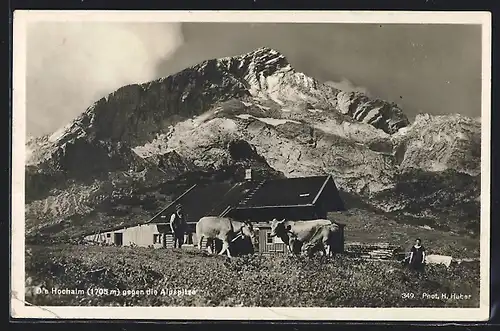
266, 58
250, 67
135, 113
250, 110
263, 55
262, 61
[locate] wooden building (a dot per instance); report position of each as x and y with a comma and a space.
303, 198
143, 235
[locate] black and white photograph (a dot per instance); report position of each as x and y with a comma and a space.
249, 165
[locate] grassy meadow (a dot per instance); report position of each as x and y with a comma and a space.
253, 280
258, 280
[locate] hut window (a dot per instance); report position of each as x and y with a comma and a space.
108, 235
157, 238
269, 239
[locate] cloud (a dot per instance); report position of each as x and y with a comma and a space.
72, 64
346, 85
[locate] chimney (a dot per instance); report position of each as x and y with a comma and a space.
248, 174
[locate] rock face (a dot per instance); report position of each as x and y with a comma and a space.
230, 113
383, 115
438, 143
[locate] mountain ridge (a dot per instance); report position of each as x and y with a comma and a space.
291, 124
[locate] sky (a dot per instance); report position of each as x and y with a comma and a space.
432, 69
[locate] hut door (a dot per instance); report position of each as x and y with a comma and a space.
118, 239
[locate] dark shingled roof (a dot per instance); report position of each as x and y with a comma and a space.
233, 197
220, 198
286, 192
198, 202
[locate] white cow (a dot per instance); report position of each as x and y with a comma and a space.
311, 234
223, 228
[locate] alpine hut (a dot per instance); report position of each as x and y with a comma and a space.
301, 198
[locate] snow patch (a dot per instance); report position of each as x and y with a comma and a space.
358, 132
198, 120
244, 116
158, 146
403, 130
228, 124
273, 82
58, 134
272, 60
248, 104
267, 120
263, 107
437, 166
275, 121
372, 115
29, 152
315, 110
461, 136
278, 101
286, 110
331, 128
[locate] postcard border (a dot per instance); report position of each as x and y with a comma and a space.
18, 308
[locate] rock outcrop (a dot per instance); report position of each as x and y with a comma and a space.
383, 115
438, 143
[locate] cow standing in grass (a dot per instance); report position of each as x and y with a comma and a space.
313, 234
223, 228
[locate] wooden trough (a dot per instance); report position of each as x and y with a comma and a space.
377, 251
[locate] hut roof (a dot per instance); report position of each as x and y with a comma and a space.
220, 198
217, 199
287, 192
206, 200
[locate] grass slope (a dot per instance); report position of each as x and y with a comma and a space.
255, 280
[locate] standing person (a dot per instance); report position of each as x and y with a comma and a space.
417, 256
178, 226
